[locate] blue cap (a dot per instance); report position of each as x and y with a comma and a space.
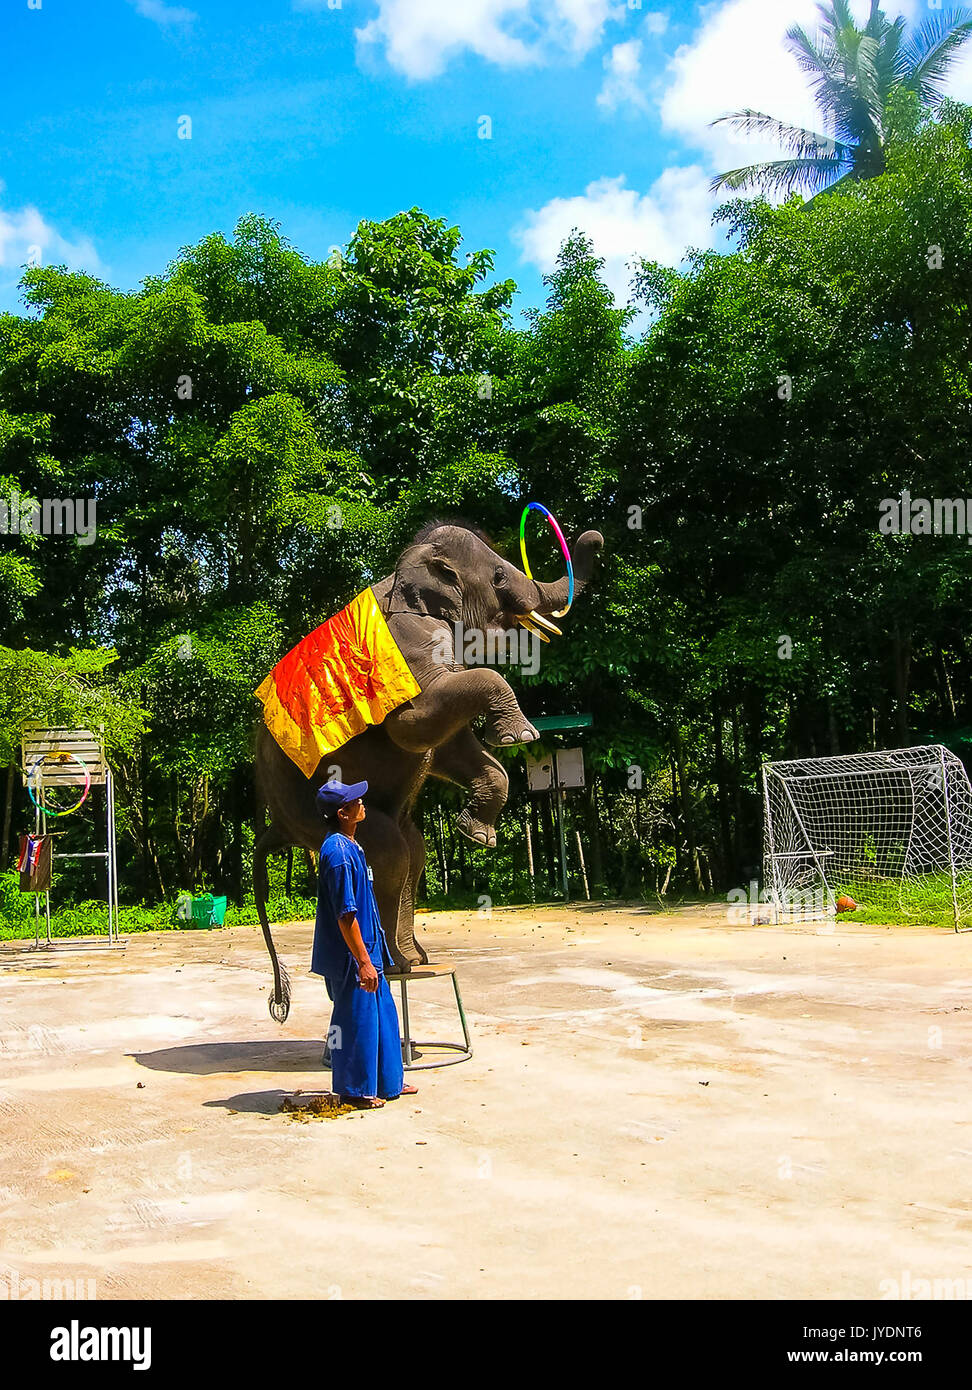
334, 794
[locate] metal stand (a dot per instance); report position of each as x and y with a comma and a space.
553, 773
49, 741
409, 1044
558, 797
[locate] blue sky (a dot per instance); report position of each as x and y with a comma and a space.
321, 112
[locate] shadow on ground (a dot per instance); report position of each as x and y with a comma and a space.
208, 1059
253, 1102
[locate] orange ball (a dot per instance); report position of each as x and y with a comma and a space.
846, 904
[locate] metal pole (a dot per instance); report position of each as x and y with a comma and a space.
114, 849
462, 1014
948, 829
406, 1026
445, 863
108, 854
580, 855
769, 857
47, 894
529, 850
560, 831
112, 864
37, 823
114, 852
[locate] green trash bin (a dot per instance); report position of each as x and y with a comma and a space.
202, 911
219, 911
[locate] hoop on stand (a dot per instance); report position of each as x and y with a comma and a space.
49, 810
74, 758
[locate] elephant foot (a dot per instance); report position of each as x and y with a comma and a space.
405, 964
476, 830
503, 733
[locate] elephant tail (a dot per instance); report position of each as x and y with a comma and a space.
280, 999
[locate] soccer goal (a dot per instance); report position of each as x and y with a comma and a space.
891, 830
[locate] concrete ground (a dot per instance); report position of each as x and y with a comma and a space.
659, 1106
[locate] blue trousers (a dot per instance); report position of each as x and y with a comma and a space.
366, 1050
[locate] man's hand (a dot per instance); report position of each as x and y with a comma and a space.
351, 931
368, 977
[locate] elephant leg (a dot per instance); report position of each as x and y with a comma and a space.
464, 761
271, 839
415, 841
387, 851
451, 702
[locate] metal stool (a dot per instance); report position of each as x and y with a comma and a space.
464, 1049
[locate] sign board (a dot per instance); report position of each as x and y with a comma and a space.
570, 767
54, 752
567, 764
539, 772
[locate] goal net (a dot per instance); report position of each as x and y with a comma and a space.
891, 830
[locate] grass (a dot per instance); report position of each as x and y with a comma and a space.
915, 902
925, 902
91, 918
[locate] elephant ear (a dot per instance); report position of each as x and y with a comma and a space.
427, 584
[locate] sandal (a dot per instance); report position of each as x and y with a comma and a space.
362, 1102
406, 1091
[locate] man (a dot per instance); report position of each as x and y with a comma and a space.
350, 952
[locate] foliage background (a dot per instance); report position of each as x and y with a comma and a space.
263, 433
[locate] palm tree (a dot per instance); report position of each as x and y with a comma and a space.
858, 76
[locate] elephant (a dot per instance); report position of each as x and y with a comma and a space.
449, 574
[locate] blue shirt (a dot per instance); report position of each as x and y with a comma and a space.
345, 884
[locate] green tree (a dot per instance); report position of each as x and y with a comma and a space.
260, 432
862, 79
60, 692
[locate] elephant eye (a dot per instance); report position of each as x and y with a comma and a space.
498, 577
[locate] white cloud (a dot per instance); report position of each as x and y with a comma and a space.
674, 214
420, 37
25, 236
656, 23
160, 13
622, 85
737, 60
577, 25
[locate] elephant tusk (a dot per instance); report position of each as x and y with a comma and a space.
535, 617
525, 622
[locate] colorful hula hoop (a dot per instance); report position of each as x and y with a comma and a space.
539, 507
70, 810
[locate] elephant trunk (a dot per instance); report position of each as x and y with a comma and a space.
553, 597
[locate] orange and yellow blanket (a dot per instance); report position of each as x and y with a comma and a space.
347, 674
